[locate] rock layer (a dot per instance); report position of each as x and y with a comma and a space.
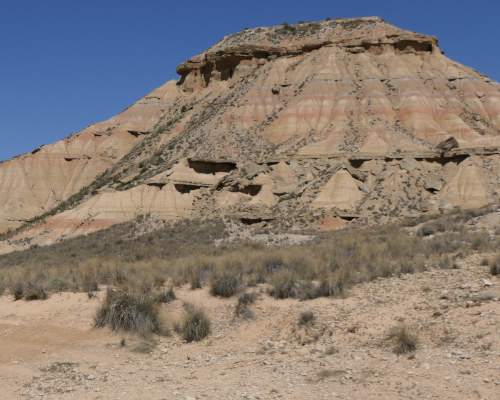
311, 125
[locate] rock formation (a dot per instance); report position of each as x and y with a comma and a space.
313, 125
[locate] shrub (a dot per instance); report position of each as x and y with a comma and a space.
129, 312
35, 291
242, 306
196, 325
225, 285
18, 290
89, 283
283, 285
167, 296
405, 339
495, 266
58, 284
427, 230
306, 317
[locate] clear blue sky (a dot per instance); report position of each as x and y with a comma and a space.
67, 64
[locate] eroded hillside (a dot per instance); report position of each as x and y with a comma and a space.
310, 126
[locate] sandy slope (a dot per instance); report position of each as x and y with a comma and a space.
344, 354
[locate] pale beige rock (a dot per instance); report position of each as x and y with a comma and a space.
467, 188
341, 191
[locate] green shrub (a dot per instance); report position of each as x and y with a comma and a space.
196, 325
129, 312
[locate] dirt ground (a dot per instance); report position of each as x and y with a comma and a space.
49, 349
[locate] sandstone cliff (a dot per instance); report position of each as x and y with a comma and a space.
304, 126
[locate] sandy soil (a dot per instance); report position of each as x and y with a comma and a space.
49, 350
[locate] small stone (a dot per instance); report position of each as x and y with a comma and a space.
91, 377
444, 294
486, 282
486, 380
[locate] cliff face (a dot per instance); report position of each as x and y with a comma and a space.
311, 125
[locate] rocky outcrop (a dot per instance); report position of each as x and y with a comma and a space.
309, 126
253, 47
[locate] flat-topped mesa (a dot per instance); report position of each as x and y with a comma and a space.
256, 46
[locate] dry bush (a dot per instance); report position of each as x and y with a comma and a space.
129, 312
166, 296
225, 285
306, 317
284, 285
196, 325
244, 300
495, 265
405, 339
35, 291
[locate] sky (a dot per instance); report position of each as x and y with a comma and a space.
67, 64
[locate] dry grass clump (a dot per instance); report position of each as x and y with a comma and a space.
166, 296
284, 285
29, 291
244, 300
123, 310
225, 285
306, 317
405, 339
196, 325
495, 265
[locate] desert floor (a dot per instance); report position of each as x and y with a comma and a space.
49, 349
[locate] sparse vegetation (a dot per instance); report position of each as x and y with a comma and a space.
495, 265
60, 367
166, 296
244, 300
123, 310
196, 325
184, 253
306, 317
225, 285
405, 339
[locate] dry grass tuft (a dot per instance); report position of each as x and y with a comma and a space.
123, 310
495, 265
405, 339
244, 300
306, 318
196, 325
